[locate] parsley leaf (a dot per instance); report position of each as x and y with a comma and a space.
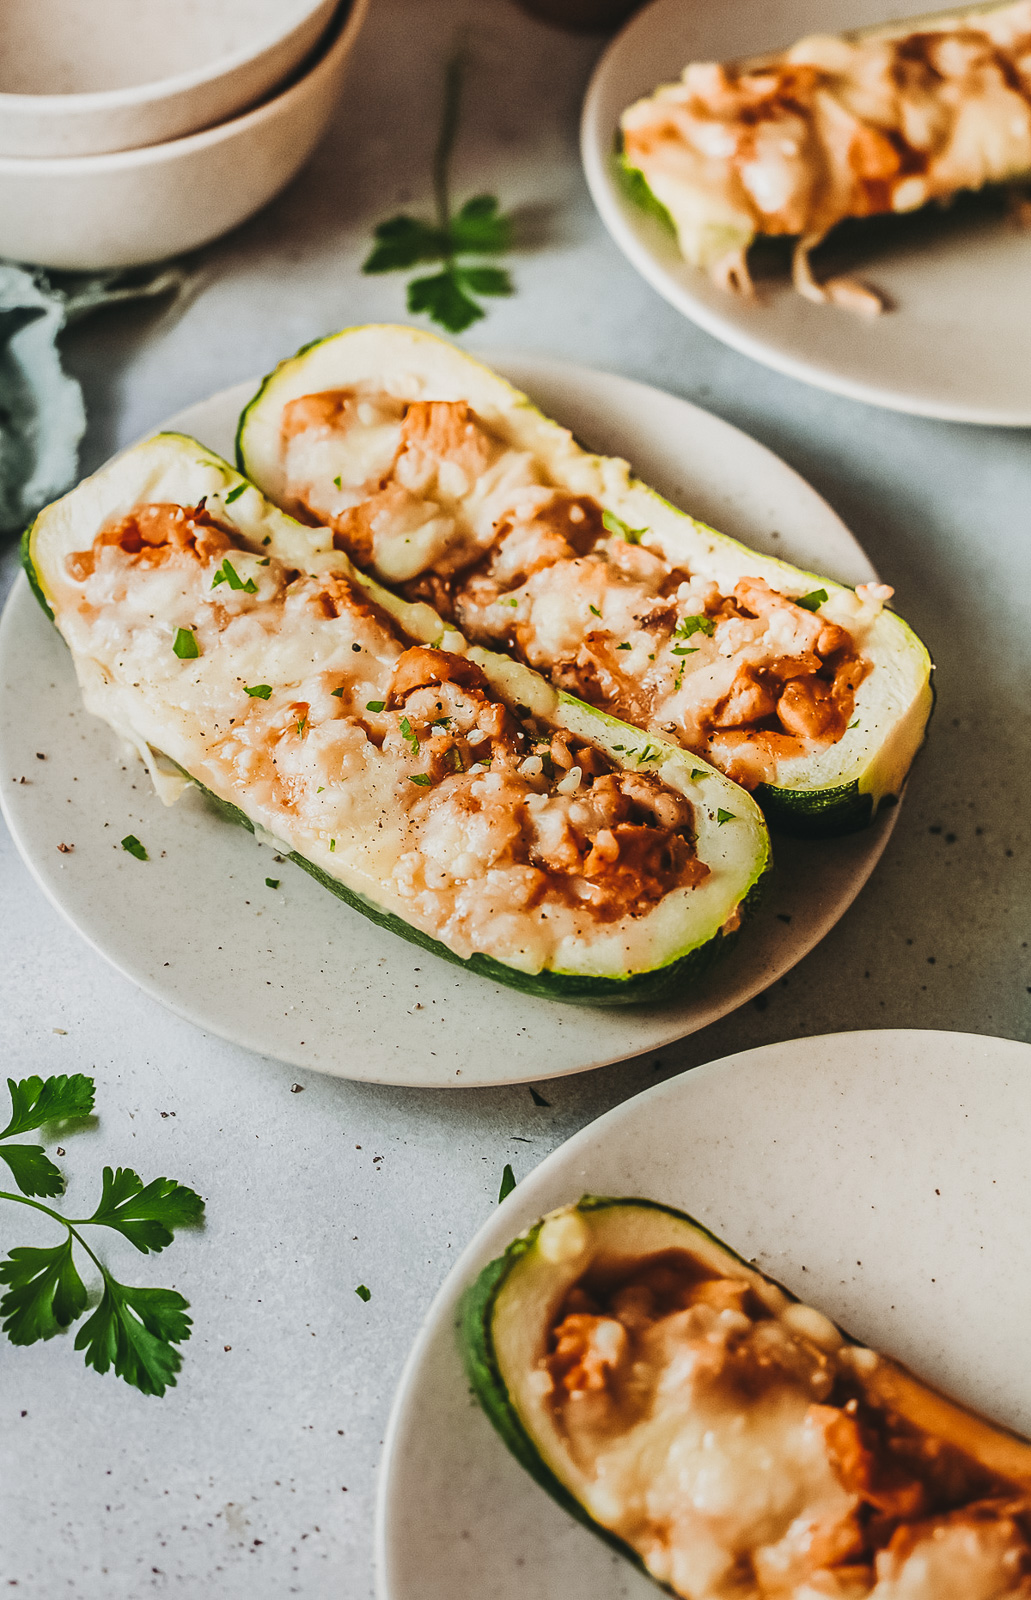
32, 1169
45, 1292
724, 816
258, 691
594, 611
145, 1215
234, 494
444, 300
813, 600
480, 228
136, 1331
404, 241
697, 773
423, 779
363, 1293
227, 573
616, 525
409, 736
336, 693
370, 705
133, 846
272, 883
508, 1182
687, 626
35, 1102
185, 645
477, 228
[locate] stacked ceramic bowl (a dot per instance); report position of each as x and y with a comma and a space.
132, 130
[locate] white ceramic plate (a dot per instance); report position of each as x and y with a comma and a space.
292, 972
958, 344
883, 1176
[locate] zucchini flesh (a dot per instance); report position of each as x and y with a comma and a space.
727, 1439
880, 120
656, 947
805, 786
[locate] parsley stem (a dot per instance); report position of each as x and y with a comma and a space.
23, 1200
454, 73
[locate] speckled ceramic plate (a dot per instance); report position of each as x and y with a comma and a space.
883, 1176
293, 973
957, 343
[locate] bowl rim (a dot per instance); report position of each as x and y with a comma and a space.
140, 95
335, 45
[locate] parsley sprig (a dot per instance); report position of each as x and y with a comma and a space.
134, 1330
478, 228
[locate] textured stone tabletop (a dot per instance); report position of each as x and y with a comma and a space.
255, 1477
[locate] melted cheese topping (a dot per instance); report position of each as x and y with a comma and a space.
732, 1446
430, 498
392, 768
835, 127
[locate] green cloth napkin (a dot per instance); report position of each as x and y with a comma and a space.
42, 415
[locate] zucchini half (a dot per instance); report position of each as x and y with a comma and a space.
830, 790
639, 957
642, 1496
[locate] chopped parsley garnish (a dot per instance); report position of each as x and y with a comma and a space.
409, 735
336, 693
332, 845
227, 573
441, 722
685, 650
321, 789
649, 753
616, 525
336, 483
185, 645
454, 759
724, 816
234, 494
272, 883
263, 561
696, 624
594, 611
477, 229
133, 846
132, 1329
267, 539
258, 691
423, 779
363, 1293
697, 773
624, 647
370, 705
511, 602
508, 1182
813, 600
679, 679
853, 724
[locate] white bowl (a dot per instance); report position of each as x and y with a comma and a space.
121, 210
79, 79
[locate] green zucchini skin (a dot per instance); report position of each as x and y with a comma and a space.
664, 982
476, 1338
815, 812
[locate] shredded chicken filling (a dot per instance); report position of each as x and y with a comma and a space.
488, 825
835, 127
427, 496
734, 1447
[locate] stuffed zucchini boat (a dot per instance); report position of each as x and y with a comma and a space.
851, 125
728, 1439
449, 794
446, 482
